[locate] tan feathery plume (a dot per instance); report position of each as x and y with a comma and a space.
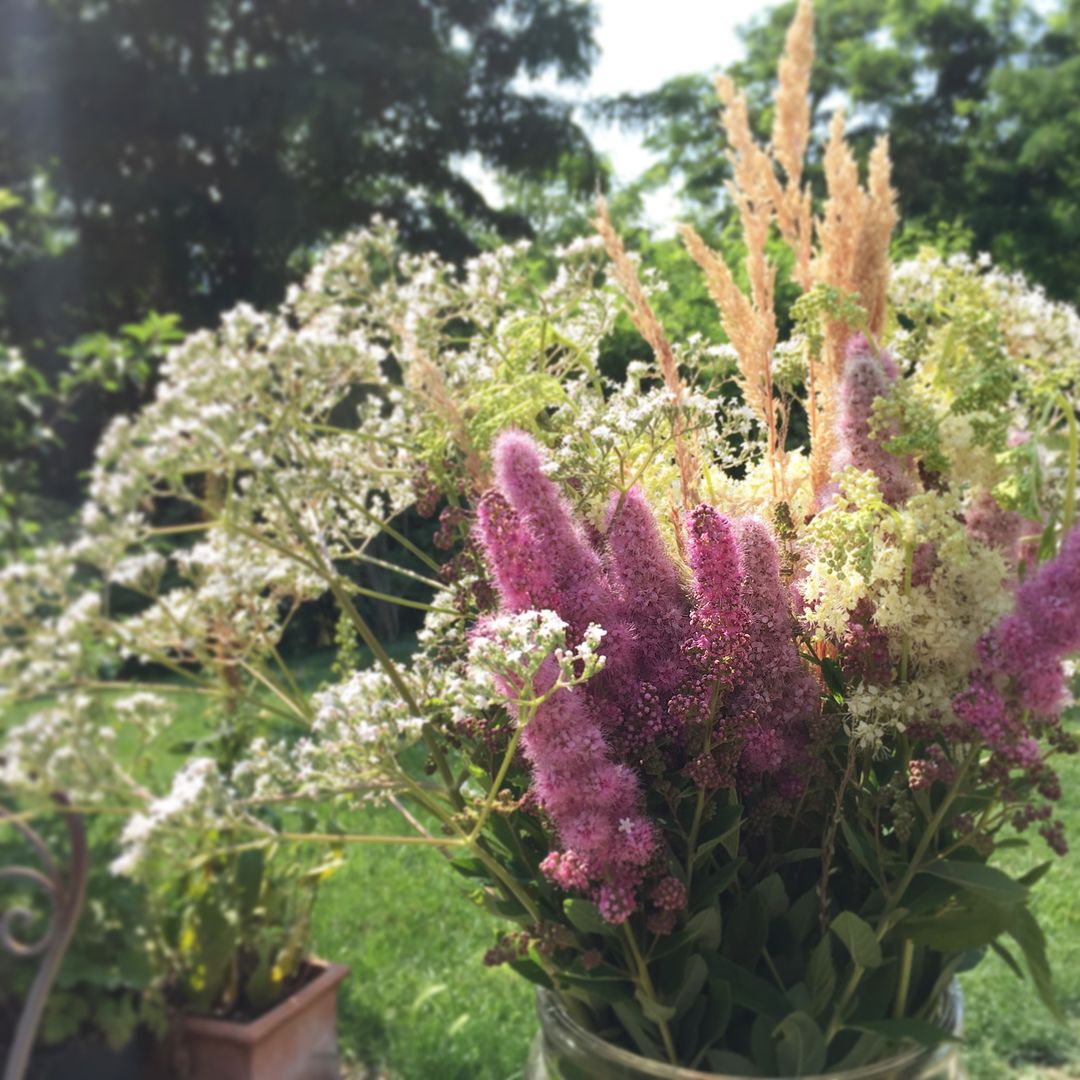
750, 328
647, 324
853, 235
872, 261
790, 135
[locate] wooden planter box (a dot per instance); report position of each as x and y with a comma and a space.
295, 1040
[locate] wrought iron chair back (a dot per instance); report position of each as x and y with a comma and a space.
66, 894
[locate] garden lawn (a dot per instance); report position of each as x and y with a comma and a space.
421, 1005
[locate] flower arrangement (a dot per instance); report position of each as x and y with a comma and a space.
727, 706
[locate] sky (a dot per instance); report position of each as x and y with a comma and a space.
643, 43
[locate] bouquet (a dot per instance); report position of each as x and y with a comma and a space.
740, 670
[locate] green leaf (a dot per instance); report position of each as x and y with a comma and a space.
1008, 958
532, 971
654, 1010
707, 889
469, 866
599, 983
800, 1047
723, 829
586, 917
720, 1006
694, 975
966, 925
905, 1029
858, 938
728, 1063
1035, 874
633, 1020
862, 848
748, 929
706, 927
1026, 932
774, 896
762, 1045
979, 880
821, 976
748, 990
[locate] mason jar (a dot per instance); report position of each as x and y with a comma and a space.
563, 1050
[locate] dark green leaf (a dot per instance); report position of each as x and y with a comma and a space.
859, 939
606, 987
821, 976
748, 990
633, 1020
706, 928
531, 971
966, 925
1027, 933
862, 848
654, 1010
905, 1029
585, 916
694, 975
800, 1047
731, 1064
979, 880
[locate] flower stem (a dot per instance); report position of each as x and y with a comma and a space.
906, 958
504, 768
650, 991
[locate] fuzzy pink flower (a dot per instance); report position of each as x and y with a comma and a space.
647, 581
580, 590
783, 690
521, 573
868, 377
593, 802
1004, 530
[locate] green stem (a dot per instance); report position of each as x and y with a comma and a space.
699, 806
650, 991
905, 642
1069, 508
500, 776
906, 958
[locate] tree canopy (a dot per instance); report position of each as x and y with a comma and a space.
176, 156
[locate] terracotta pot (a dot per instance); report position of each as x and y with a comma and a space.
295, 1040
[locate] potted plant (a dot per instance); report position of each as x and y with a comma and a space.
231, 917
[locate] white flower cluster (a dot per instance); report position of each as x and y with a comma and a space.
1041, 335
511, 650
197, 802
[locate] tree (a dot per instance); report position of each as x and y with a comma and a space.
190, 150
970, 91
183, 156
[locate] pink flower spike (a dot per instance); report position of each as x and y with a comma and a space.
648, 583
867, 377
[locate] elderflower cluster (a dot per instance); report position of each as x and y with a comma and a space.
512, 648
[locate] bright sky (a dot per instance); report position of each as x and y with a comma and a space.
646, 42
643, 43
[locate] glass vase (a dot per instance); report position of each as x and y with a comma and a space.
563, 1050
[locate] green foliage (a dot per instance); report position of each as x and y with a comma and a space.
235, 927
107, 985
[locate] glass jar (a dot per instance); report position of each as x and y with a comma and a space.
563, 1050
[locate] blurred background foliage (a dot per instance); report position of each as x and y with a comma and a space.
160, 162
